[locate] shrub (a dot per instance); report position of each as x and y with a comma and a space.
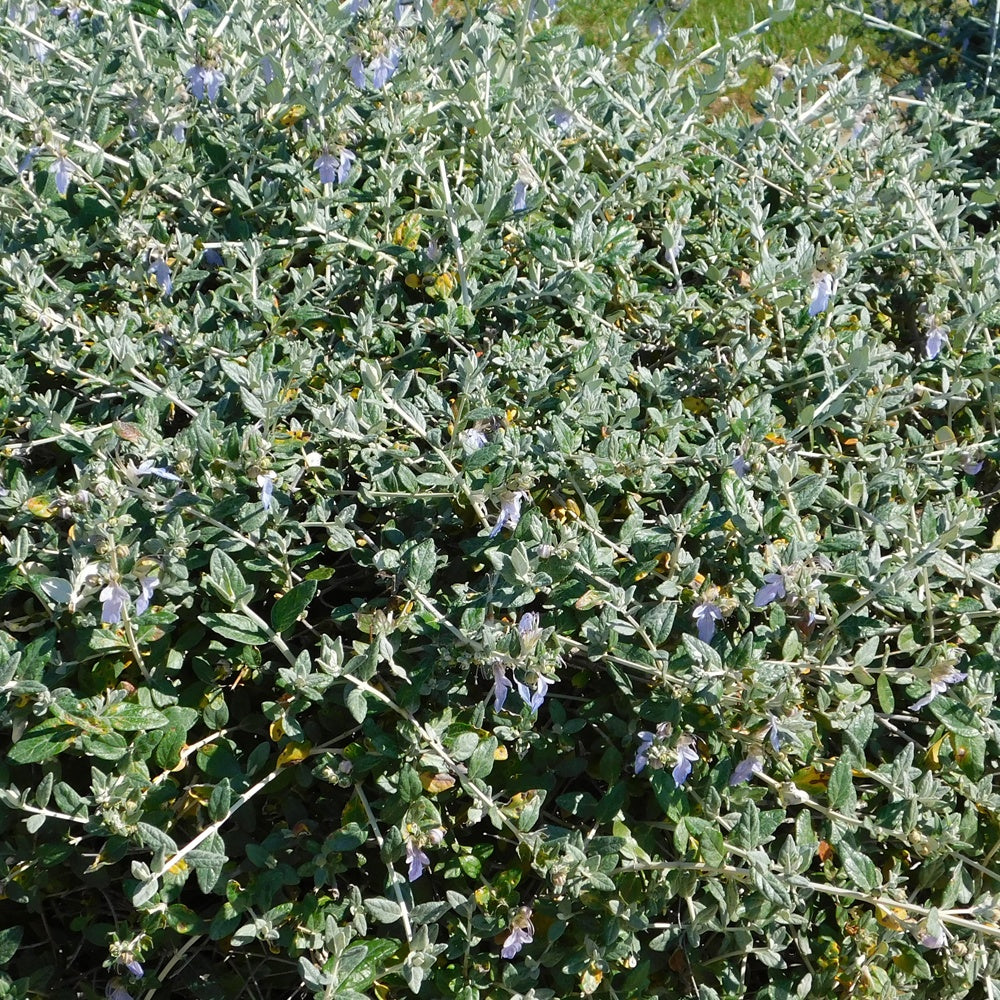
478, 523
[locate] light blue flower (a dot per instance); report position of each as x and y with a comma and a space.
534, 700
28, 159
382, 67
706, 615
113, 598
179, 132
161, 271
347, 159
823, 288
522, 932
773, 590
334, 169
646, 740
528, 632
740, 466
205, 81
687, 756
63, 169
267, 69
562, 118
510, 511
266, 483
116, 991
147, 468
416, 859
135, 968
520, 202
942, 677
357, 67
473, 438
147, 585
774, 734
501, 686
936, 339
746, 769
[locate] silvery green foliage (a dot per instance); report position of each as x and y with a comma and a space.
389, 404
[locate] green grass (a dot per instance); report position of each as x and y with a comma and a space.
808, 30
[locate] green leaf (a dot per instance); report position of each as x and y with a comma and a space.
385, 911
841, 787
9, 941
357, 704
380, 952
859, 867
956, 716
226, 578
45, 741
130, 717
289, 606
239, 628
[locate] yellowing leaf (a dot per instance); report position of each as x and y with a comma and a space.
294, 753
436, 782
500, 753
41, 507
293, 115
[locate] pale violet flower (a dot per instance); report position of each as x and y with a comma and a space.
520, 202
501, 686
205, 81
687, 755
522, 932
563, 118
147, 585
115, 991
740, 466
28, 159
932, 940
942, 676
382, 67
63, 169
334, 169
535, 8
972, 467
148, 468
266, 483
823, 288
113, 598
267, 69
473, 439
774, 734
135, 968
510, 511
936, 339
416, 860
773, 590
534, 700
357, 67
746, 769
358, 6
647, 741
179, 132
671, 252
706, 615
347, 159
327, 165
655, 24
161, 271
528, 632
